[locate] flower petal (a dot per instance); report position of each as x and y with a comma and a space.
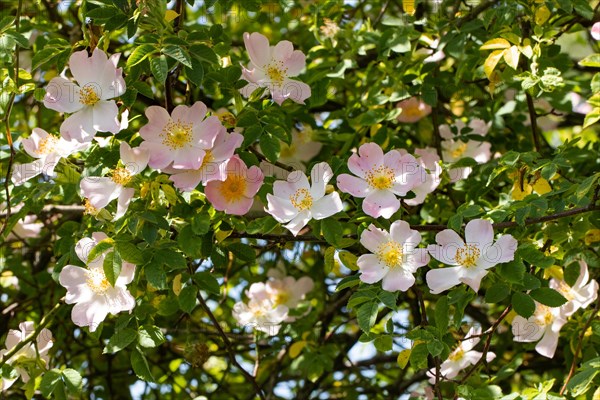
258, 48
442, 279
479, 232
99, 190
79, 126
371, 269
327, 206
397, 279
373, 237
320, 175
298, 222
357, 187
62, 95
280, 208
381, 203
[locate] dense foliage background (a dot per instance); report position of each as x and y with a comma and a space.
530, 69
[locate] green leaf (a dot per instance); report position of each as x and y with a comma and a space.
580, 383
435, 347
120, 340
270, 147
140, 54
6, 22
347, 282
243, 252
129, 252
548, 297
155, 274
332, 230
196, 72
523, 304
98, 249
329, 259
187, 298
593, 60
367, 316
42, 56
201, 224
150, 336
207, 282
72, 380
112, 266
418, 356
144, 89
177, 53
496, 293
140, 366
442, 315
583, 8
159, 68
204, 53
348, 259
49, 382
383, 343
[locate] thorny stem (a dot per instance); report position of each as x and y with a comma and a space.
7, 123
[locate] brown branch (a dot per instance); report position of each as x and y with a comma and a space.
229, 348
9, 107
533, 119
261, 157
579, 346
486, 347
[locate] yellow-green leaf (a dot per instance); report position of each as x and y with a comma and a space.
409, 6
403, 358
593, 60
492, 61
495, 44
541, 15
511, 57
296, 348
170, 15
348, 259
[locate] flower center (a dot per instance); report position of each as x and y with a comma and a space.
88, 96
467, 255
459, 150
177, 135
234, 188
47, 145
276, 72
89, 208
96, 280
121, 176
381, 177
543, 315
457, 354
302, 200
390, 254
287, 151
281, 298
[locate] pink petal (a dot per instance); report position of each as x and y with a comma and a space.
258, 48
502, 251
357, 187
397, 279
320, 175
327, 206
123, 202
295, 63
160, 157
119, 299
191, 115
442, 279
90, 314
32, 144
105, 117
417, 258
373, 237
186, 181
86, 69
472, 277
547, 346
205, 133
135, 160
371, 269
369, 156
99, 190
401, 233
254, 180
525, 330
83, 248
24, 172
298, 222
79, 126
282, 50
62, 95
480, 232
280, 208
381, 203
225, 145
158, 117
596, 31
72, 276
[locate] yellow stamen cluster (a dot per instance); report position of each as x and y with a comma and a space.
457, 354
97, 282
381, 177
302, 200
176, 135
565, 290
467, 255
276, 71
459, 150
88, 96
234, 188
281, 298
47, 145
121, 176
543, 315
208, 158
90, 209
390, 254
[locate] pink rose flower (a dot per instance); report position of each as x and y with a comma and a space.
545, 324
179, 140
470, 259
235, 194
413, 109
98, 81
272, 66
380, 178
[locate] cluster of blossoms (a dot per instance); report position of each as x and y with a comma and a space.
546, 322
270, 303
29, 357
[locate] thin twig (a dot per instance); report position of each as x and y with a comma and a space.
276, 163
229, 348
533, 119
9, 140
579, 346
